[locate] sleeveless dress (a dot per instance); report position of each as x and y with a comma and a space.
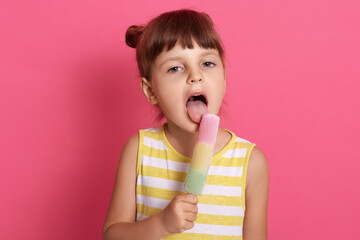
161, 173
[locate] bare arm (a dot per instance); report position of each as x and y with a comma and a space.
120, 219
120, 222
256, 197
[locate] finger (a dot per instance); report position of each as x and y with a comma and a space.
190, 198
189, 207
190, 216
189, 225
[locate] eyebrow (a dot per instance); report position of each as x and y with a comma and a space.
210, 52
170, 59
206, 53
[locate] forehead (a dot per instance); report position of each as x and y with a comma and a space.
178, 52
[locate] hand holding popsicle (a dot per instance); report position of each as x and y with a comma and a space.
180, 214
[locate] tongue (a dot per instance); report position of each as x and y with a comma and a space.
196, 109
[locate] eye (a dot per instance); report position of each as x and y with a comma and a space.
208, 64
175, 69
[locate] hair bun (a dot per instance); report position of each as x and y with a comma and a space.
133, 34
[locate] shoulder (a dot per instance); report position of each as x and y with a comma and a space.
129, 153
257, 155
131, 144
258, 170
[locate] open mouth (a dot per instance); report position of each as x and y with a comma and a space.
196, 106
198, 97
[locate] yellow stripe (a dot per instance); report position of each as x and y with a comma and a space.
203, 199
153, 152
146, 210
192, 236
153, 135
223, 180
139, 152
157, 192
163, 154
163, 173
219, 220
228, 162
245, 172
220, 200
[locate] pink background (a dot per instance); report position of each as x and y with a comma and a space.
70, 97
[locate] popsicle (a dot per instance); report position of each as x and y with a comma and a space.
203, 151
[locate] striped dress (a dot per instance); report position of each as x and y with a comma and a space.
161, 173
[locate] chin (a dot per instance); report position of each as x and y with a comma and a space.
193, 127
186, 125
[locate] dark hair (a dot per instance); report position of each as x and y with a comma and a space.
166, 30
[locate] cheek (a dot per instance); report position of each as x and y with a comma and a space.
168, 96
221, 83
221, 89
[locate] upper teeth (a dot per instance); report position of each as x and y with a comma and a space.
192, 98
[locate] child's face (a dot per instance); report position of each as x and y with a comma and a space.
181, 73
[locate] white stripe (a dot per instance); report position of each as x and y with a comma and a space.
140, 216
222, 190
241, 140
237, 152
221, 210
216, 229
152, 129
157, 144
226, 171
161, 183
203, 208
165, 164
152, 202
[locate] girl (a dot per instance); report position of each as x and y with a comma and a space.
181, 59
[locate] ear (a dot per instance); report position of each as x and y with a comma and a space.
148, 91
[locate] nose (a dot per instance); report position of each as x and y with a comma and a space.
195, 76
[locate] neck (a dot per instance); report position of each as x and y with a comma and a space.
182, 140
